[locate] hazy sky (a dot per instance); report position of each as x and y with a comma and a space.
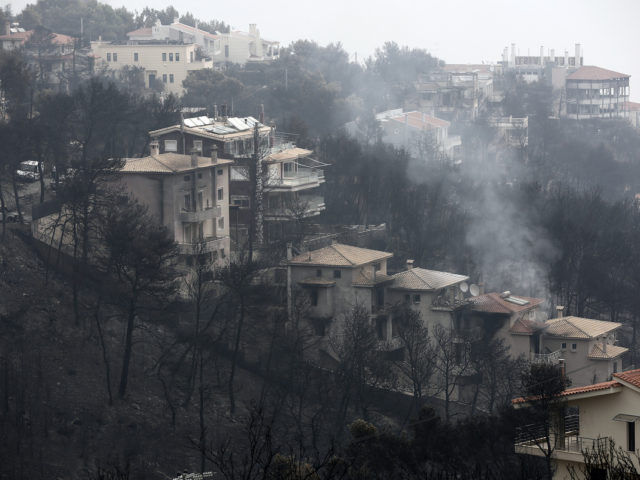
458, 31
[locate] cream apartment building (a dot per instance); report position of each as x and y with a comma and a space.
189, 194
605, 411
168, 63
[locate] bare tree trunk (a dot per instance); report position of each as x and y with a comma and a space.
103, 346
234, 359
14, 183
126, 357
203, 428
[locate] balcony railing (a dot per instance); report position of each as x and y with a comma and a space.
306, 207
206, 245
200, 215
552, 358
306, 176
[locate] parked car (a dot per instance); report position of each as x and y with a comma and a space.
28, 171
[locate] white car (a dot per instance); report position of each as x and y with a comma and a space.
28, 171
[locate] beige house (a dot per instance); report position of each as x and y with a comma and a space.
233, 47
189, 194
168, 63
605, 411
587, 347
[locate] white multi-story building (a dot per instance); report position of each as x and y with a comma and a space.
169, 63
594, 92
234, 47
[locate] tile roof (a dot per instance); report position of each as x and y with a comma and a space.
524, 326
289, 154
145, 31
612, 351
317, 281
420, 120
18, 36
60, 39
167, 163
494, 303
423, 279
631, 376
576, 327
576, 390
340, 255
365, 280
591, 72
189, 28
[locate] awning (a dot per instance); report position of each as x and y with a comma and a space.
623, 417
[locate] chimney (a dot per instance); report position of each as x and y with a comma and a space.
214, 155
577, 55
289, 250
194, 157
154, 148
559, 311
566, 58
262, 113
409, 264
215, 111
541, 56
562, 365
604, 344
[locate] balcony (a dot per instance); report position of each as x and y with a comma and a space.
206, 245
305, 207
552, 358
208, 213
531, 440
303, 178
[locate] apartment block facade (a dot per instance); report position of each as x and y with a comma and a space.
163, 63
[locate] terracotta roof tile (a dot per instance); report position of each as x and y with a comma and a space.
576, 390
631, 376
590, 72
494, 303
340, 255
146, 31
525, 327
365, 280
576, 327
423, 279
166, 163
613, 351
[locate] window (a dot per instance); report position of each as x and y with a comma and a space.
197, 144
563, 346
381, 328
200, 176
115, 57
171, 57
200, 200
407, 298
416, 299
631, 436
187, 178
190, 57
170, 145
226, 51
164, 57
289, 169
220, 172
171, 78
222, 254
177, 57
221, 223
220, 193
186, 232
337, 274
164, 77
241, 201
376, 267
314, 297
574, 347
187, 201
135, 56
108, 57
318, 273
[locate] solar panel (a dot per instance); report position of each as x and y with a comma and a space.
205, 120
188, 122
238, 124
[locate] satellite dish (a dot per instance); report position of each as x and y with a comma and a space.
474, 290
464, 287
